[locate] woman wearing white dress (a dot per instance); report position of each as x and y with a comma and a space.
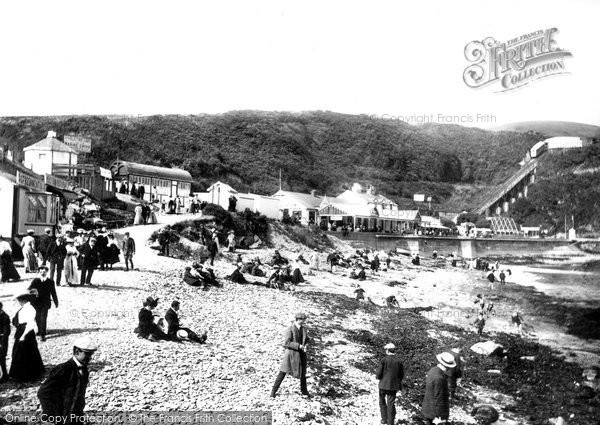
138, 215
152, 218
70, 267
29, 250
26, 362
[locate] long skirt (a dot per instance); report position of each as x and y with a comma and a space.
138, 219
152, 218
7, 267
31, 264
26, 362
297, 277
71, 274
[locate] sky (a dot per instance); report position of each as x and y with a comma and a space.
388, 59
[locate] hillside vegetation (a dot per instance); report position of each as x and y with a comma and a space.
554, 128
315, 150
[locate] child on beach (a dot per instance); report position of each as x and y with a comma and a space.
479, 324
517, 322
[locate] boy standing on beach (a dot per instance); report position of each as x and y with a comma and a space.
479, 324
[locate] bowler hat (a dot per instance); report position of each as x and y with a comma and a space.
151, 302
85, 343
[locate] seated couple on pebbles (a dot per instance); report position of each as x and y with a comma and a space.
155, 332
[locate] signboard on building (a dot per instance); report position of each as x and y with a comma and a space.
106, 173
30, 182
81, 144
56, 182
418, 197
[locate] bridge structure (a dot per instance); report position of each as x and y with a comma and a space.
499, 199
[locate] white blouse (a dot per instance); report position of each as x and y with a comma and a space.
27, 315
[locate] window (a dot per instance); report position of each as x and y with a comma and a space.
36, 208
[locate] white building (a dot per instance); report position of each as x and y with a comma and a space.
41, 156
303, 206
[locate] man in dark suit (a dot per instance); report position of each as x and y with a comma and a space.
128, 249
44, 243
63, 392
55, 255
436, 401
390, 373
89, 261
44, 287
174, 329
4, 334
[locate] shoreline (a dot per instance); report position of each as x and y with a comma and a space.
236, 368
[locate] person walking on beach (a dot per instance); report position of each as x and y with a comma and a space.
213, 249
502, 278
89, 261
62, 394
455, 373
294, 360
29, 250
517, 322
44, 287
128, 248
26, 365
479, 324
55, 255
390, 373
436, 401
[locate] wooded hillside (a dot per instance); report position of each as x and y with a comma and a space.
315, 150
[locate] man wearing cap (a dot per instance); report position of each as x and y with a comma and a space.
128, 249
55, 255
63, 392
44, 287
43, 244
436, 401
390, 374
294, 360
89, 261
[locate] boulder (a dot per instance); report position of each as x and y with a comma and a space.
488, 348
485, 414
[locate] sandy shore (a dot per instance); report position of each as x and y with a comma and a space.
236, 369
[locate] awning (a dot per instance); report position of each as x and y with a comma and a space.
69, 195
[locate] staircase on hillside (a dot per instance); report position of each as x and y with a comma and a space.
506, 187
504, 226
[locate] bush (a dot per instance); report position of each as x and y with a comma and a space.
222, 217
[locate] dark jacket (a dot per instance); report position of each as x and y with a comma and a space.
89, 256
63, 392
45, 290
4, 333
237, 277
190, 279
390, 373
172, 319
56, 253
128, 246
212, 247
294, 360
43, 243
435, 403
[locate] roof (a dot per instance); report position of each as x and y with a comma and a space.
221, 184
50, 144
346, 206
125, 168
564, 142
305, 199
365, 197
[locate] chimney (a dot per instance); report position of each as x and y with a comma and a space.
51, 134
313, 193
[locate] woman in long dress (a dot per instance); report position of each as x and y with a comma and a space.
146, 327
70, 267
152, 218
112, 251
26, 362
29, 250
7, 267
139, 219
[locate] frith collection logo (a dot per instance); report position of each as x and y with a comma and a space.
514, 63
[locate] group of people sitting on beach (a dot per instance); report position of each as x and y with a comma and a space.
173, 330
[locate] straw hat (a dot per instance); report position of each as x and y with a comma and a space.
446, 360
